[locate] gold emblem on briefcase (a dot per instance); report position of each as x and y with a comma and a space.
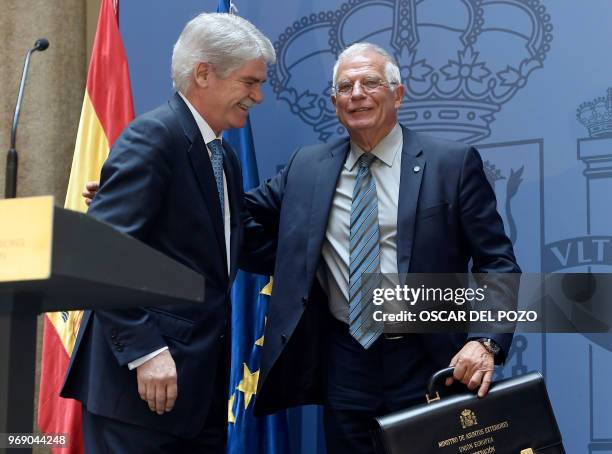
468, 418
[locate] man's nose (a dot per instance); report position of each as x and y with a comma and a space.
256, 93
357, 91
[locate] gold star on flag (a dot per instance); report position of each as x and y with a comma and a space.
259, 342
248, 384
267, 290
231, 417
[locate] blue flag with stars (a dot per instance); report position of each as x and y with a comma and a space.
250, 296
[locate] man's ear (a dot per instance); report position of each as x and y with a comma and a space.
202, 73
333, 100
399, 95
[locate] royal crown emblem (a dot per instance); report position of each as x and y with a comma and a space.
460, 60
468, 418
596, 115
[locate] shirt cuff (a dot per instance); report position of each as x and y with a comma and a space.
143, 359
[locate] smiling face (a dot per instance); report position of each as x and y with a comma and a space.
225, 102
368, 117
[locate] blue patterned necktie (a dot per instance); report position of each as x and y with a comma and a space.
364, 255
216, 159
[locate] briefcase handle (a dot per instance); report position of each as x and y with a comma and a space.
434, 383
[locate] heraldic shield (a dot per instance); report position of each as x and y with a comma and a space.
514, 418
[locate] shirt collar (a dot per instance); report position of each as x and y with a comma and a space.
207, 133
385, 150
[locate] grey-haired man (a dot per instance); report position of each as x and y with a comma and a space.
156, 379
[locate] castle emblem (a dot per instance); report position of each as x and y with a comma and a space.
460, 64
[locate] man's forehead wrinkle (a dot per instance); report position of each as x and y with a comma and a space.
363, 71
369, 59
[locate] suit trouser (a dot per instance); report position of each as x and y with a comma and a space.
363, 384
109, 436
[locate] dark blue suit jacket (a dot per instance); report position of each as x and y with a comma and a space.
158, 186
446, 216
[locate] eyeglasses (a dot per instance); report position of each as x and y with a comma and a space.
368, 85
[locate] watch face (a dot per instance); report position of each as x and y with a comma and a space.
491, 346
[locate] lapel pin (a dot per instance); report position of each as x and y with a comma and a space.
416, 169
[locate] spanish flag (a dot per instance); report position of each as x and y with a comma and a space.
107, 109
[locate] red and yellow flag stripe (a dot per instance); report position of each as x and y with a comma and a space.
107, 106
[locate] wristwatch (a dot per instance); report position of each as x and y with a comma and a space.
490, 345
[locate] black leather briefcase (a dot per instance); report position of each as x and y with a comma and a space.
514, 418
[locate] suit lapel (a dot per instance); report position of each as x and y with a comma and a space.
202, 168
198, 154
413, 167
327, 173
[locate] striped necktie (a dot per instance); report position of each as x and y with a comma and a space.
364, 255
216, 159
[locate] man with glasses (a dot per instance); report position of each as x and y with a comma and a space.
387, 200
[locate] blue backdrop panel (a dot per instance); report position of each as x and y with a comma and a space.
529, 82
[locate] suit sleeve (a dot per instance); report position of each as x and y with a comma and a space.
490, 248
262, 209
132, 186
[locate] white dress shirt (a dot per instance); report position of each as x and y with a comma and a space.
386, 171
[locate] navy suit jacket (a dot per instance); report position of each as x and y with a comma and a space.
446, 216
158, 186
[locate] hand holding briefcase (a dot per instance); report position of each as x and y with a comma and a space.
514, 418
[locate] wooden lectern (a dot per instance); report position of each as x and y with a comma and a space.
53, 259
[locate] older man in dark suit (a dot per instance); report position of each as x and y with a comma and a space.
155, 379
385, 199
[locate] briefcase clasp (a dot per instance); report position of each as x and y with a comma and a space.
433, 399
527, 451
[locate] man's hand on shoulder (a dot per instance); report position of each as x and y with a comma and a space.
473, 367
91, 188
157, 382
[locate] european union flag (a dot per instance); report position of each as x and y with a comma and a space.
250, 296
